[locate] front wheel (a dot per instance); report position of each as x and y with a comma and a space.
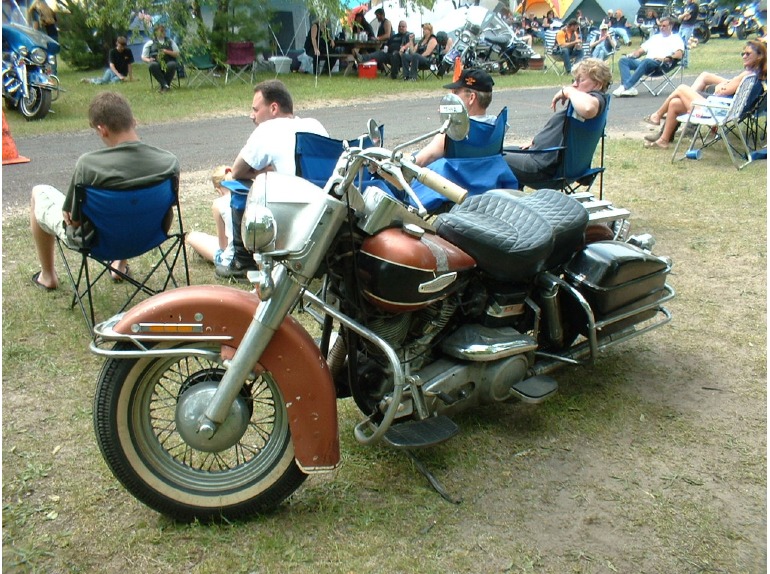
37, 105
740, 31
145, 417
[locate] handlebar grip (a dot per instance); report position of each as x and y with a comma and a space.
442, 185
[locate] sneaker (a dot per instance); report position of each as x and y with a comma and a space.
233, 271
630, 93
619, 91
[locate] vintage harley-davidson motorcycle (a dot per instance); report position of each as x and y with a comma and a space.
214, 402
29, 57
487, 42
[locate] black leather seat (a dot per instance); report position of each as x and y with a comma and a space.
568, 218
508, 239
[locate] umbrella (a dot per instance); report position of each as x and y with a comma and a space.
362, 9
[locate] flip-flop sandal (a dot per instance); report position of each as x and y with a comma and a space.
39, 285
648, 120
118, 278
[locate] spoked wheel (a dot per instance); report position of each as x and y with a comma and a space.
145, 418
37, 105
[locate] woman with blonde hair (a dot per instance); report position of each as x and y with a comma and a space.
754, 56
419, 58
588, 98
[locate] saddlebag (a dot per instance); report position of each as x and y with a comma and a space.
616, 277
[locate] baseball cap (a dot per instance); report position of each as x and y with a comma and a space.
604, 27
473, 79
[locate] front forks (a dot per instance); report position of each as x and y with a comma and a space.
267, 319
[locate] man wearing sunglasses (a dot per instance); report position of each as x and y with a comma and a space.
661, 50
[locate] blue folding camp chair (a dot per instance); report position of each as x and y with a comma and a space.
475, 163
127, 224
574, 168
316, 156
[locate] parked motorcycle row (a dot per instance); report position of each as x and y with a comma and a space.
215, 403
714, 18
29, 60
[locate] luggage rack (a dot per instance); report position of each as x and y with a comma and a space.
600, 210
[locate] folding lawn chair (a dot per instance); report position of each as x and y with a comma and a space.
239, 64
200, 68
127, 224
723, 119
553, 61
316, 156
574, 170
475, 163
668, 76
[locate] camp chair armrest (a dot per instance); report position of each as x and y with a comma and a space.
546, 150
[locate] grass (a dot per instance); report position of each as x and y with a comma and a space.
152, 107
652, 460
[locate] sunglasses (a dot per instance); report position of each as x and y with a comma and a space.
746, 54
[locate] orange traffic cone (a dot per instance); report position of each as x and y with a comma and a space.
458, 69
10, 154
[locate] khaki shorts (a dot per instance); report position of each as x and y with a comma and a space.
49, 203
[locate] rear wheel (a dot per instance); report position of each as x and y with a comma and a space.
145, 418
508, 66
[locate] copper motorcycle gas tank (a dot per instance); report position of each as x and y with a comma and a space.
408, 268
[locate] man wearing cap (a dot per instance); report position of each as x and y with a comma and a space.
604, 45
474, 88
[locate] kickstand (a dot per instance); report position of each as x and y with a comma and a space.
434, 482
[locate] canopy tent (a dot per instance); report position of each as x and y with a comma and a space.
540, 7
596, 10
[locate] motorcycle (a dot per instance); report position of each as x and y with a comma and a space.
215, 403
750, 21
719, 19
487, 42
29, 57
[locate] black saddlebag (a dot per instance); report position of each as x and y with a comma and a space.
616, 277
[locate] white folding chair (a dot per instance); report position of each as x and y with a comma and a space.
553, 61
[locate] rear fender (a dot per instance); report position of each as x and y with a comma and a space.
294, 360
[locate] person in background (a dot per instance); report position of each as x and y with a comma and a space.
317, 43
661, 49
570, 44
392, 52
687, 22
41, 17
161, 53
385, 29
216, 248
604, 45
681, 100
619, 26
419, 58
121, 68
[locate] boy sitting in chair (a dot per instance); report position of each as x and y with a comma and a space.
127, 163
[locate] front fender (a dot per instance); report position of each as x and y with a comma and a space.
292, 358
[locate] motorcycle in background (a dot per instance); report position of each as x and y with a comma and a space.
29, 57
215, 403
720, 19
751, 21
487, 42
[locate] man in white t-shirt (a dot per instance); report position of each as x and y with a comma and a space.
660, 50
270, 147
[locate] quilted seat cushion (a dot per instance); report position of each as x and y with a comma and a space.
568, 218
508, 239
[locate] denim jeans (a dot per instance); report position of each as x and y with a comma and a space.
109, 77
569, 54
632, 70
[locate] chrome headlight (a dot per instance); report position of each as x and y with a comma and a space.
258, 227
23, 51
38, 56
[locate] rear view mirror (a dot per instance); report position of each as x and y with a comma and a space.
454, 116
